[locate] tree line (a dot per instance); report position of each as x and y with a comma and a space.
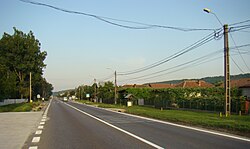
208, 99
20, 55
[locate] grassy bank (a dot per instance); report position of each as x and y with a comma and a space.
233, 124
20, 107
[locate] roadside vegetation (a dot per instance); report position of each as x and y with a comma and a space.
21, 55
22, 107
234, 124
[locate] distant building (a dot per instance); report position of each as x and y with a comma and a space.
244, 85
194, 84
184, 84
134, 86
159, 86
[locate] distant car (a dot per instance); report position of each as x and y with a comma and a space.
65, 99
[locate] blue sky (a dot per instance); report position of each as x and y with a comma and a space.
81, 48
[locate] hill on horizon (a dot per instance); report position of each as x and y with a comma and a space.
211, 80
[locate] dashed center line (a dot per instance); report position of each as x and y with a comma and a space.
42, 123
38, 132
35, 139
33, 147
40, 127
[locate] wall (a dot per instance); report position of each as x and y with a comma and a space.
12, 101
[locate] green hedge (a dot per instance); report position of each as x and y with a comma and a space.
210, 99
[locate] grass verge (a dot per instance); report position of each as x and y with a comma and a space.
20, 107
234, 124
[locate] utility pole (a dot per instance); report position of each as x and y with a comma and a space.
115, 88
95, 88
226, 66
80, 92
226, 72
30, 88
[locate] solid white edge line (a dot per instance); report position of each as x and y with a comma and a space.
178, 125
117, 128
188, 127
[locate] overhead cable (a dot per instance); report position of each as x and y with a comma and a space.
192, 63
239, 52
110, 20
193, 46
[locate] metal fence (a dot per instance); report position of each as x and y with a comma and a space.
213, 106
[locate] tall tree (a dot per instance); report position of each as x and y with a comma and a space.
20, 54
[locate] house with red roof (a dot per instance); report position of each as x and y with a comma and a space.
159, 86
244, 85
193, 84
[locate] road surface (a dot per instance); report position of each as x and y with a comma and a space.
76, 126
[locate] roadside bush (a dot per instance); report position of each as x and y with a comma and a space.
209, 99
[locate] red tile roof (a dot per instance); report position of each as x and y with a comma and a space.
134, 86
244, 82
194, 83
157, 86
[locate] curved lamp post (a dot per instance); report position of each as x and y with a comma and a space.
226, 65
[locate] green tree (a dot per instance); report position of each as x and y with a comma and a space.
19, 55
106, 92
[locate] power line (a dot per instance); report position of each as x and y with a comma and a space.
237, 65
192, 63
110, 20
106, 78
239, 52
242, 22
239, 28
197, 44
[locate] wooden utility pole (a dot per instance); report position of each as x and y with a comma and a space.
30, 88
115, 88
226, 72
80, 92
95, 89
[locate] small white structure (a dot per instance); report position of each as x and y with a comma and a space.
129, 103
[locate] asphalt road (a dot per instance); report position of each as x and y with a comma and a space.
76, 126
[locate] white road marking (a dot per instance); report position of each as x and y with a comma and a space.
38, 132
40, 127
42, 123
182, 126
192, 128
35, 139
46, 111
117, 128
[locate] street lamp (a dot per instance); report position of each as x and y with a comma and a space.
115, 85
226, 65
209, 11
